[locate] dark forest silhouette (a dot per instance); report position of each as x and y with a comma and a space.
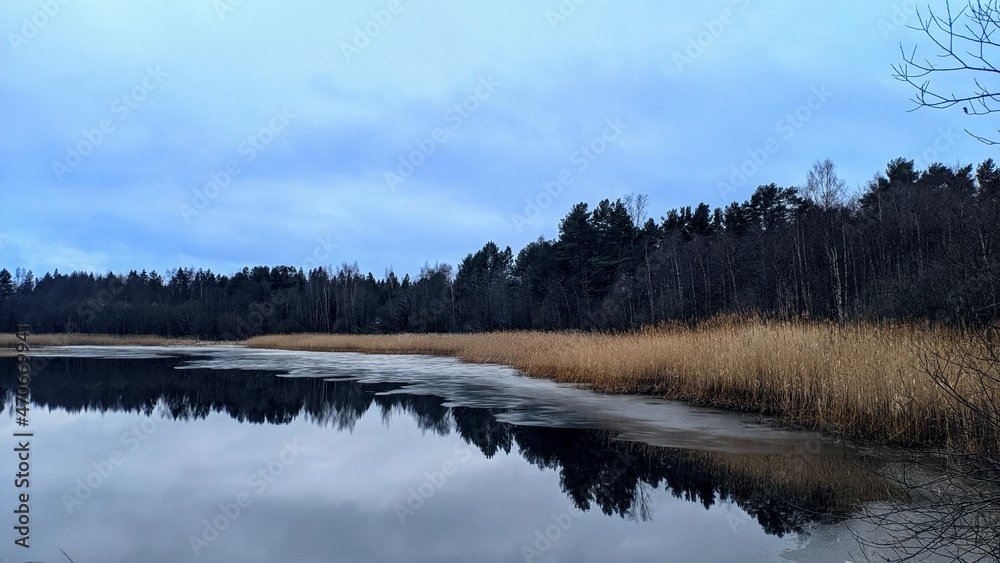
914, 244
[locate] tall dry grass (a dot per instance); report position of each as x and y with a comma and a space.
861, 381
8, 341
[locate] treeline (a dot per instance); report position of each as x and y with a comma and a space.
914, 244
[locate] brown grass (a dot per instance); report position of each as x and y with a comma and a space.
860, 380
8, 341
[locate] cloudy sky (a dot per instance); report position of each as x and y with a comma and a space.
225, 133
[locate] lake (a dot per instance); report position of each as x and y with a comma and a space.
231, 454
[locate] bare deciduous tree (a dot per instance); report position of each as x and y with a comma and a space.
823, 187
951, 502
637, 205
966, 43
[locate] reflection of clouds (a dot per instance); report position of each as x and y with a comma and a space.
366, 446
148, 510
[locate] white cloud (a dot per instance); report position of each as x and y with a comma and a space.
354, 118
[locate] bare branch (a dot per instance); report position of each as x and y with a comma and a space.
963, 44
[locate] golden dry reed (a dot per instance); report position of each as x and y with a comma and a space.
8, 341
862, 380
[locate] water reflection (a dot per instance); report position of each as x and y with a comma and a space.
783, 493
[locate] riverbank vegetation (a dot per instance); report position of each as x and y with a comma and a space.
867, 381
8, 341
83, 339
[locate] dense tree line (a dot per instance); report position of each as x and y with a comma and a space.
920, 244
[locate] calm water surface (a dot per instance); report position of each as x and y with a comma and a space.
203, 454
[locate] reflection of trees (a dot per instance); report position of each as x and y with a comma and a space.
781, 492
480, 428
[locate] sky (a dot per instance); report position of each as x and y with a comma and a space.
220, 134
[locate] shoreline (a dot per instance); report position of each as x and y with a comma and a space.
9, 341
865, 382
862, 382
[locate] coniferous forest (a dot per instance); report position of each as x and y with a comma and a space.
914, 244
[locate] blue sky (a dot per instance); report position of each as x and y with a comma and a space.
225, 133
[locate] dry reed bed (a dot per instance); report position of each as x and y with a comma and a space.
8, 341
860, 380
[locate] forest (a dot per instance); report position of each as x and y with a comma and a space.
911, 245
